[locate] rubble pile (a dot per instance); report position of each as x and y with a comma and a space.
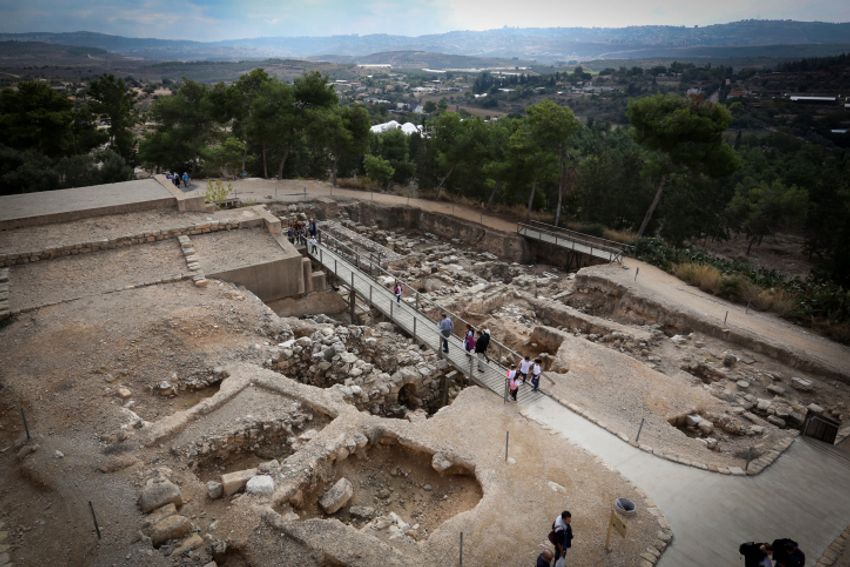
373, 367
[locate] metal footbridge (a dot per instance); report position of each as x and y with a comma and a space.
578, 242
418, 317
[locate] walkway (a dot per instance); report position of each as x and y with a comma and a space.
417, 324
805, 495
601, 248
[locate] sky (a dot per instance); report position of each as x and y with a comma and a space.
209, 20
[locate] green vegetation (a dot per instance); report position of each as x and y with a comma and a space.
623, 157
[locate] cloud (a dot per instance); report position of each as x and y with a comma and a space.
228, 19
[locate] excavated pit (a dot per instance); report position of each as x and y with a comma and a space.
376, 369
255, 427
397, 493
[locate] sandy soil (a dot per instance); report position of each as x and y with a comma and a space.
86, 275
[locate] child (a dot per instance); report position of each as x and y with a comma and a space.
469, 340
536, 371
513, 383
524, 367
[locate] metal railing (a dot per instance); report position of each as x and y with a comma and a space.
422, 305
597, 246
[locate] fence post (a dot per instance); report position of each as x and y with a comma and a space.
391, 308
93, 517
637, 437
26, 425
637, 271
507, 439
414, 327
461, 549
370, 295
336, 274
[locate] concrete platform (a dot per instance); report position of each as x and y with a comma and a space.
45, 207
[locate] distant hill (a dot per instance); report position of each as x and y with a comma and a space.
540, 44
420, 59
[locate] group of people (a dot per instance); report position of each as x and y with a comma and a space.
782, 552
471, 345
561, 538
301, 233
524, 370
176, 178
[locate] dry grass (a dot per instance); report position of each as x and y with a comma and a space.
624, 236
778, 301
707, 278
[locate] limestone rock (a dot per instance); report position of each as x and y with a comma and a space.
236, 481
158, 515
802, 384
440, 462
172, 527
158, 492
729, 360
194, 541
214, 489
776, 389
338, 496
124, 393
814, 408
364, 512
261, 484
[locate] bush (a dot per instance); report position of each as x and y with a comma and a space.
217, 191
707, 278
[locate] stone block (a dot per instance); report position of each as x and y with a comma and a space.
172, 527
802, 384
159, 492
158, 515
338, 496
236, 481
262, 485
194, 541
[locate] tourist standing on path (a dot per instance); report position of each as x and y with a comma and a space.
313, 228
513, 383
446, 327
481, 348
397, 289
469, 340
176, 180
524, 368
314, 245
563, 535
186, 179
536, 371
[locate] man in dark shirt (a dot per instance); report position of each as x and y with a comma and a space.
481, 348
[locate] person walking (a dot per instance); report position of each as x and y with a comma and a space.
313, 228
186, 179
562, 535
314, 245
446, 327
513, 383
469, 340
524, 368
536, 371
481, 348
397, 289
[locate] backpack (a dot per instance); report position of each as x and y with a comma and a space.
752, 553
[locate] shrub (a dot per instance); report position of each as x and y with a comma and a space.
736, 287
705, 277
624, 236
217, 191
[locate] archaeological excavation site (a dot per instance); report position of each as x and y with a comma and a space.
187, 385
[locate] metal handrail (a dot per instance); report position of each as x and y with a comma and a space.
419, 299
601, 243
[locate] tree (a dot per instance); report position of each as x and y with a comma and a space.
553, 127
112, 99
686, 134
35, 117
378, 170
760, 210
184, 128
274, 123
227, 157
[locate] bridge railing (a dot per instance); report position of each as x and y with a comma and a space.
498, 352
613, 249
